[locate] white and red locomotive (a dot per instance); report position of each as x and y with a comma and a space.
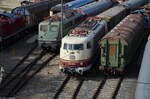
78, 51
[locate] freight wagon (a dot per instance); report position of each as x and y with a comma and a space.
51, 36
79, 50
119, 45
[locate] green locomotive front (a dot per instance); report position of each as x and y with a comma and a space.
50, 30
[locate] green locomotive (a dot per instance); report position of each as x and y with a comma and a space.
50, 29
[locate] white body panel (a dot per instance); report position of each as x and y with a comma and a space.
79, 54
88, 53
143, 85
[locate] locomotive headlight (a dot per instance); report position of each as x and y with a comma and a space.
81, 63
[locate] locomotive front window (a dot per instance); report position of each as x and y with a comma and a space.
54, 28
73, 46
44, 28
78, 46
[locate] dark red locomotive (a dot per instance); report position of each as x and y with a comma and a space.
10, 23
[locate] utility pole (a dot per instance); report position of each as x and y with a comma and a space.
61, 19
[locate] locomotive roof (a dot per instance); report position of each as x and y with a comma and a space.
66, 16
75, 39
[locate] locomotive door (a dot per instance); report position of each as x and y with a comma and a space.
113, 52
110, 52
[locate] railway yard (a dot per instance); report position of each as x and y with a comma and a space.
33, 73
50, 83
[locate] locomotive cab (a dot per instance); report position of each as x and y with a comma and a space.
75, 54
48, 34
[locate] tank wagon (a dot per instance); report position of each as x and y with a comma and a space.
118, 47
88, 34
51, 39
143, 83
80, 60
70, 5
23, 17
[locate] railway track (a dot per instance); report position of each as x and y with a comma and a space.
105, 87
12, 84
71, 88
20, 62
75, 88
6, 41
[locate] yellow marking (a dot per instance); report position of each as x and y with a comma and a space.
5, 9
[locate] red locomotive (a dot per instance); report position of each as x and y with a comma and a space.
10, 23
